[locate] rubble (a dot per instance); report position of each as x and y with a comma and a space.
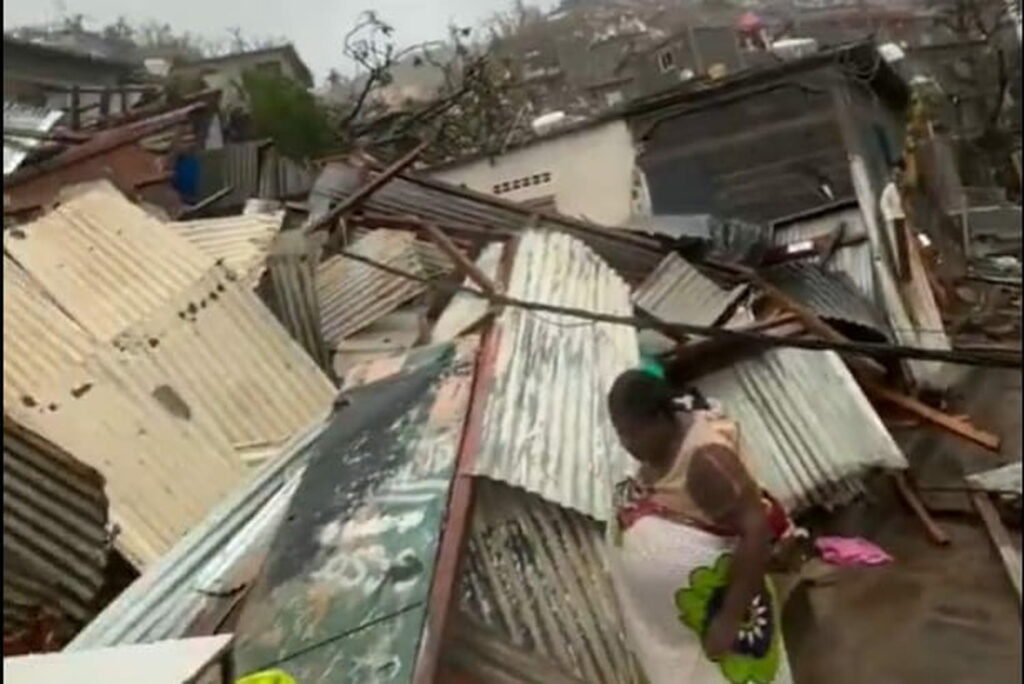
356, 417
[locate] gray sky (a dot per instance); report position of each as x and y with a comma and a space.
315, 26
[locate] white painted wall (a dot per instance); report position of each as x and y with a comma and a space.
591, 173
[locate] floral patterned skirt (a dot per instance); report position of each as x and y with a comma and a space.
670, 580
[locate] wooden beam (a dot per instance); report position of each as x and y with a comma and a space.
462, 262
935, 533
376, 183
957, 426
1008, 552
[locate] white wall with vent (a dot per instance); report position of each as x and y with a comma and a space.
588, 172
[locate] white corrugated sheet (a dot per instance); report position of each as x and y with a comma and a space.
805, 424
239, 242
678, 293
106, 261
23, 117
164, 385
546, 427
465, 309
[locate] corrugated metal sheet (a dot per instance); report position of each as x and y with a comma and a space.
282, 178
390, 336
239, 242
854, 261
236, 165
40, 341
104, 260
632, 255
1005, 479
56, 541
464, 309
807, 427
204, 374
208, 570
230, 362
535, 575
293, 262
23, 117
678, 293
353, 294
832, 295
435, 261
343, 593
546, 426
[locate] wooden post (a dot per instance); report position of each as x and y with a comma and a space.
462, 262
934, 532
76, 103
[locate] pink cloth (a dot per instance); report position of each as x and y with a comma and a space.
851, 551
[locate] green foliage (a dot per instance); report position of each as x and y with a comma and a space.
282, 110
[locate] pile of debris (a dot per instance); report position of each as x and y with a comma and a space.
442, 515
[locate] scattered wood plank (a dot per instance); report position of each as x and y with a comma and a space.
956, 426
1000, 539
935, 533
462, 262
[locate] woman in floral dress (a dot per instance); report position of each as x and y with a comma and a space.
691, 545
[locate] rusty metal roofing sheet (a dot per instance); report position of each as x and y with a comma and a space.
241, 243
197, 581
632, 255
678, 293
342, 595
854, 260
546, 426
22, 117
807, 427
353, 295
105, 260
56, 541
832, 295
535, 575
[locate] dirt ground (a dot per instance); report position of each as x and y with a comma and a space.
936, 615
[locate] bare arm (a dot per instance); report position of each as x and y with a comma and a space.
720, 485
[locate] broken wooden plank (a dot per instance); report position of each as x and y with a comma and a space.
935, 533
1008, 553
951, 424
464, 264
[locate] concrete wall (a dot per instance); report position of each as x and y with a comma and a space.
590, 173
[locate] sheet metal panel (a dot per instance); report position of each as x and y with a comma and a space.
536, 575
40, 341
353, 295
199, 579
105, 260
631, 255
236, 165
678, 293
293, 262
546, 427
1005, 479
56, 541
241, 243
343, 593
464, 309
805, 424
854, 261
232, 367
26, 118
830, 294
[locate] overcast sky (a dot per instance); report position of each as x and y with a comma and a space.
315, 26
